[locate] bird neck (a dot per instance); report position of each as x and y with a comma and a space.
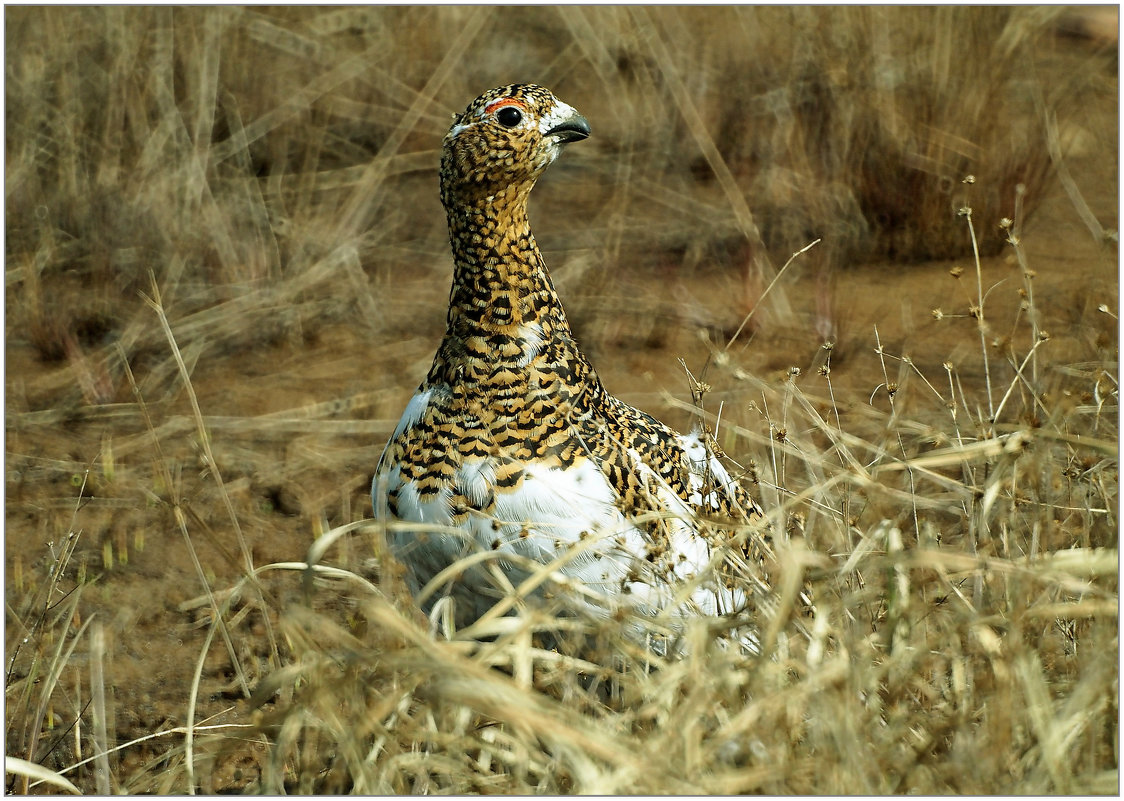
507, 334
500, 282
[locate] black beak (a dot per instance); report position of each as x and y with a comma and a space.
572, 130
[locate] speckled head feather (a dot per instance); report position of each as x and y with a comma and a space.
502, 142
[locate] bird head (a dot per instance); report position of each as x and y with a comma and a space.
501, 143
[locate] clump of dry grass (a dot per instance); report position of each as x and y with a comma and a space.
957, 526
963, 558
48, 628
854, 125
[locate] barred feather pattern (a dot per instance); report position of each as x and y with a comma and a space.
512, 449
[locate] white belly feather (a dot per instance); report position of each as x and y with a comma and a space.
568, 517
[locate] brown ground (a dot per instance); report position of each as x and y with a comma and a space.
290, 476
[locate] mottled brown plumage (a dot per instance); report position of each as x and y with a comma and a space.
512, 439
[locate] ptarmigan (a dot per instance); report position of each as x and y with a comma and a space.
512, 454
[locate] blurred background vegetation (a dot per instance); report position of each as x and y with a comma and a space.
230, 150
267, 176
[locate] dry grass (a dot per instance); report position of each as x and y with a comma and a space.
226, 264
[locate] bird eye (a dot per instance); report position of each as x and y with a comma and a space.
509, 116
